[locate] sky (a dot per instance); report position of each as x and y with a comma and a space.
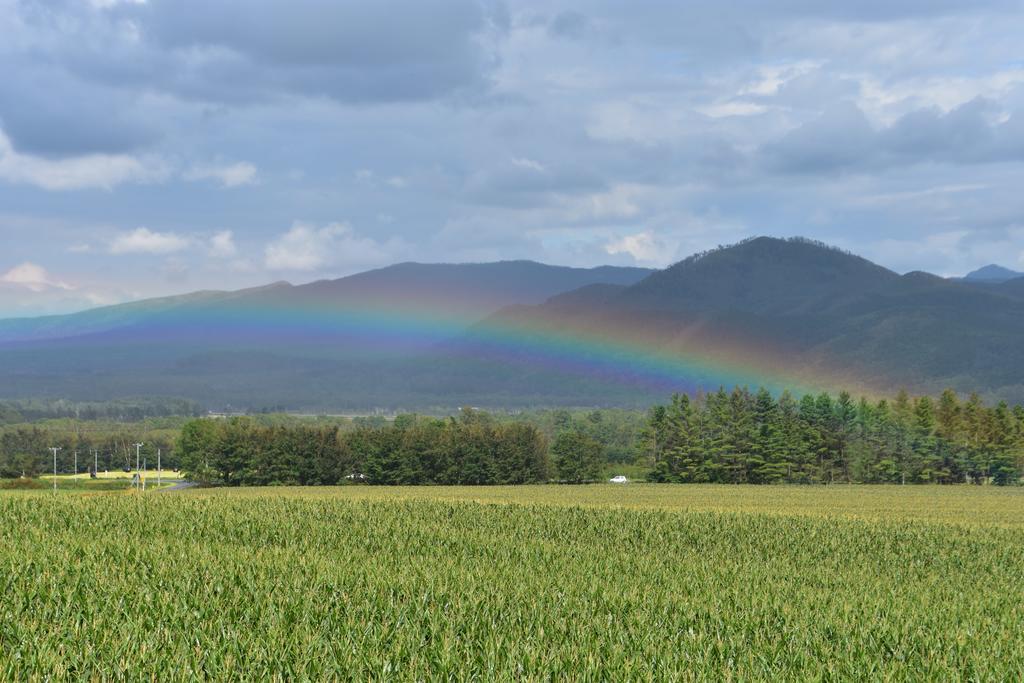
153, 147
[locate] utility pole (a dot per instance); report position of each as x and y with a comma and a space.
54, 449
96, 462
159, 471
76, 463
138, 447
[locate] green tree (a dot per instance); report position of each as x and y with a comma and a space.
577, 457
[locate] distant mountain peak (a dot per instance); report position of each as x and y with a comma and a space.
992, 273
761, 274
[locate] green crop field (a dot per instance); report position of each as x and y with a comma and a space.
594, 583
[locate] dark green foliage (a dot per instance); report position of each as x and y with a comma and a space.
738, 437
9, 415
577, 457
471, 449
21, 484
24, 448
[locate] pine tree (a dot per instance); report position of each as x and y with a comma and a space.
927, 464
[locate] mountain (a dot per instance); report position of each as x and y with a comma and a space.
465, 291
781, 313
347, 344
1013, 288
784, 313
993, 274
107, 318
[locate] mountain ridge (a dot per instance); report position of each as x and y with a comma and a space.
992, 273
786, 313
479, 297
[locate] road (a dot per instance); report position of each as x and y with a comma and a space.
178, 486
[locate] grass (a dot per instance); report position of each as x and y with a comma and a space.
592, 583
105, 481
151, 475
965, 505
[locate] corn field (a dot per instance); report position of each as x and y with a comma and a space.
472, 583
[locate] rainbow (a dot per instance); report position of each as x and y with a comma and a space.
667, 359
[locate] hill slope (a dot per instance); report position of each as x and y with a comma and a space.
466, 291
992, 273
347, 344
783, 313
789, 313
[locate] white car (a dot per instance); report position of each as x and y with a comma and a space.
620, 479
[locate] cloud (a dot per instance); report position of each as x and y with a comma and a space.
523, 162
303, 247
545, 130
623, 201
222, 244
146, 241
92, 171
569, 24
229, 175
309, 248
46, 111
32, 277
645, 248
842, 139
224, 52
642, 247
950, 253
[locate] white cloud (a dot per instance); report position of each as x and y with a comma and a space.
306, 248
146, 241
102, 171
530, 164
32, 277
28, 289
302, 247
229, 175
107, 4
222, 244
732, 108
644, 247
621, 201
770, 77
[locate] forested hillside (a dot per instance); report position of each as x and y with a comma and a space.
429, 337
783, 313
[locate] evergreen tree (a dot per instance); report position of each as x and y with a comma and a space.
577, 457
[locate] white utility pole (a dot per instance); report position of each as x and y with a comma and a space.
54, 449
96, 462
138, 447
159, 471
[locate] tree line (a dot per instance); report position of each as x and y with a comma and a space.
733, 436
745, 437
24, 450
127, 410
472, 448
